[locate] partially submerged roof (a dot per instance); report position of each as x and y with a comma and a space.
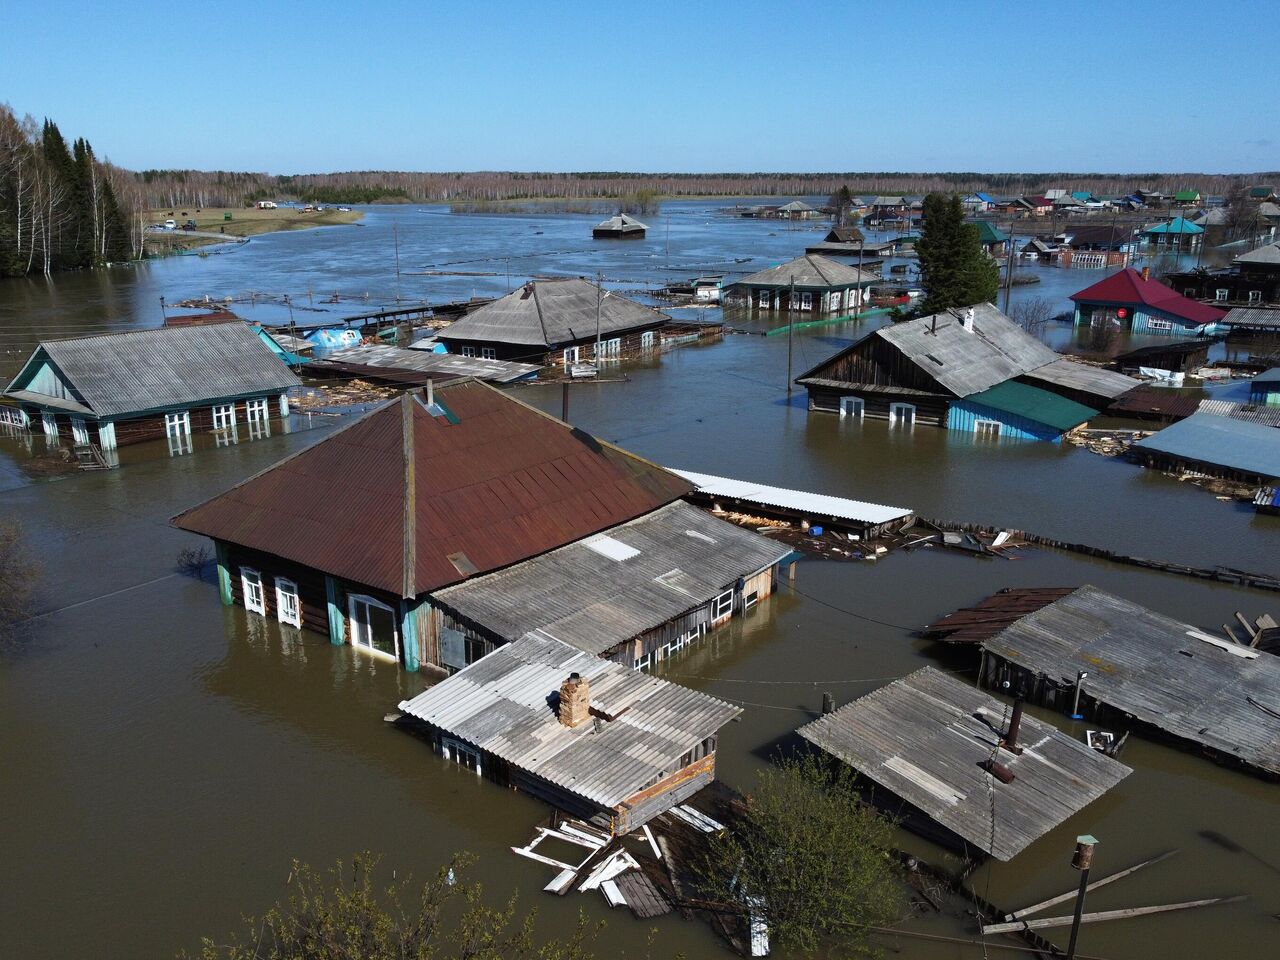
1252, 317
989, 233
163, 369
809, 272
1128, 287
546, 313
962, 361
1267, 378
797, 206
1083, 378
1267, 415
1023, 400
409, 499
447, 365
990, 616
623, 222
1177, 225
1159, 402
1267, 256
1178, 678
505, 703
815, 504
925, 738
609, 588
1249, 448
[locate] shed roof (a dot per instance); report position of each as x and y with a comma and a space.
1253, 317
1266, 414
1223, 441
149, 370
1128, 287
809, 272
1268, 377
817, 504
1268, 255
616, 585
926, 737
547, 313
1109, 236
424, 361
505, 703
1023, 400
1084, 378
1171, 675
409, 499
796, 206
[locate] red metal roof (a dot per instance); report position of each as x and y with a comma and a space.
1128, 287
491, 483
987, 618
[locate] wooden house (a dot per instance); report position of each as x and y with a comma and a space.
797, 210
1178, 232
1253, 280
362, 535
595, 739
556, 322
959, 768
1264, 389
1133, 301
820, 284
125, 388
620, 227
994, 240
1188, 195
956, 370
978, 203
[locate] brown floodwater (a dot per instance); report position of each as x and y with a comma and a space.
166, 758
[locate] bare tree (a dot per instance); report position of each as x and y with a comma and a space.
1032, 315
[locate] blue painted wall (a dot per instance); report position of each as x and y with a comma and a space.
1140, 323
964, 415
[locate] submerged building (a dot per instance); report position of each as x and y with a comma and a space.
1133, 301
440, 526
817, 283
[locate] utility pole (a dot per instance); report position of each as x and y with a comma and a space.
599, 296
164, 317
791, 307
857, 310
1081, 861
1008, 274
395, 239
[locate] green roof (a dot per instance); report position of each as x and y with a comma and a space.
1261, 193
1190, 196
1034, 404
988, 232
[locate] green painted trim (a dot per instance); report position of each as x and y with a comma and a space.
337, 624
409, 634
804, 325
224, 573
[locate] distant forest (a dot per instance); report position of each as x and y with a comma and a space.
169, 188
60, 207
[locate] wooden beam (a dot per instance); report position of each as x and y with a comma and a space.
1018, 926
1062, 898
1250, 630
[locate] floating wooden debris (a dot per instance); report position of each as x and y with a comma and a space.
1064, 897
1018, 925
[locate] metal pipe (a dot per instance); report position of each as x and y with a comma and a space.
1010, 742
1081, 861
1075, 706
564, 400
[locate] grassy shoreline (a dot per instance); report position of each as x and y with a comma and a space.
244, 222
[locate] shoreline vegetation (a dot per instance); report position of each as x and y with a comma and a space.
245, 222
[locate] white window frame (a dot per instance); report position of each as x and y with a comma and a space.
644, 663
455, 750
766, 299
749, 600
853, 407
224, 415
572, 355
357, 598
897, 411
1159, 323
1255, 297
49, 422
288, 603
255, 599
806, 301
488, 353
468, 351
13, 416
1221, 294
177, 424
722, 606
256, 411
611, 348
227, 437
982, 428
646, 340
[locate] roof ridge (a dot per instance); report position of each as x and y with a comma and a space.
409, 578
537, 306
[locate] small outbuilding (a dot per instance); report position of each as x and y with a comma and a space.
595, 739
1265, 388
819, 283
620, 227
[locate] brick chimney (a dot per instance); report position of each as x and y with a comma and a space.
575, 700
1146, 273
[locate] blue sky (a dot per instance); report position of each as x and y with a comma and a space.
292, 87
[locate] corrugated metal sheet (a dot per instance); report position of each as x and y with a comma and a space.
505, 703
810, 272
503, 483
1156, 669
990, 616
1072, 375
581, 596
1159, 402
816, 503
167, 368
1034, 404
1223, 441
422, 361
1253, 317
547, 313
1268, 416
925, 737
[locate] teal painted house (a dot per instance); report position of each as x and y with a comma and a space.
1178, 232
1265, 388
994, 240
1133, 301
1017, 411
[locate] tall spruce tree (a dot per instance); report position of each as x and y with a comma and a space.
954, 268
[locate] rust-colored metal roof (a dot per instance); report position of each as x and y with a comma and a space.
410, 499
984, 620
1160, 403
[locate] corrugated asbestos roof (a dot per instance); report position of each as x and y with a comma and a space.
547, 313
926, 737
585, 598
1165, 673
505, 703
1253, 317
1035, 404
1081, 377
423, 361
622, 221
1224, 441
819, 505
493, 482
166, 368
1267, 415
809, 272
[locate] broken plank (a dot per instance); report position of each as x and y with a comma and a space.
541, 859
1018, 926
561, 882
648, 834
612, 895
1062, 898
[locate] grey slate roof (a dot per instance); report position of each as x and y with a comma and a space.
424, 361
809, 272
924, 738
547, 313
796, 206
170, 367
1074, 375
622, 221
1266, 256
578, 595
1224, 441
504, 703
967, 362
1159, 670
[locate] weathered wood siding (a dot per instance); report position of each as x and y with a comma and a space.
311, 587
930, 410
